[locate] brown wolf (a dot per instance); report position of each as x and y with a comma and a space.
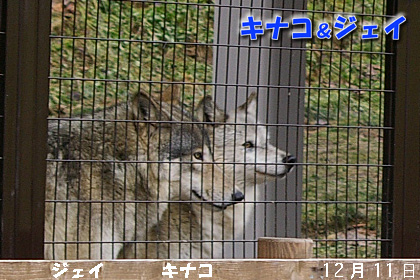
110, 177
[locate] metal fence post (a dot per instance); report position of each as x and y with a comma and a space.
259, 65
2, 88
388, 142
406, 206
25, 128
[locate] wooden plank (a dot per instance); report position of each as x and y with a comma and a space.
284, 248
221, 269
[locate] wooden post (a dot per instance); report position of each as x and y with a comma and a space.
24, 128
284, 248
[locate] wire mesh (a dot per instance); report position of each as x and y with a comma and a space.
158, 148
351, 175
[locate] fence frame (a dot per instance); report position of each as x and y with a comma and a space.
25, 128
406, 190
388, 142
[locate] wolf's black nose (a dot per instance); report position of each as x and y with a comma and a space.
289, 159
238, 196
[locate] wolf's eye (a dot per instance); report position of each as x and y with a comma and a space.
198, 155
248, 144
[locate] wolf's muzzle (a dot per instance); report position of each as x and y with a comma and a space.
238, 196
289, 160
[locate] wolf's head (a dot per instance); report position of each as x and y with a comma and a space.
179, 156
243, 141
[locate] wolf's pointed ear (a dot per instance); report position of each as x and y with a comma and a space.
207, 111
143, 107
250, 105
172, 95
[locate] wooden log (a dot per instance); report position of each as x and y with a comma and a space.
260, 269
284, 248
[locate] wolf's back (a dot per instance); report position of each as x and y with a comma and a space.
87, 172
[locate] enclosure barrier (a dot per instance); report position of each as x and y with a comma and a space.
23, 177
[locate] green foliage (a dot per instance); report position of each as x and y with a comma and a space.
345, 79
139, 45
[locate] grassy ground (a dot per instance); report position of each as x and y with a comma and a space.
131, 50
358, 104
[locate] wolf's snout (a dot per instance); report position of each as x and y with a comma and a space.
238, 196
289, 159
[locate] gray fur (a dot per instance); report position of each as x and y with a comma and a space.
98, 171
196, 223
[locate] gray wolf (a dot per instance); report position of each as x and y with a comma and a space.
110, 177
249, 159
